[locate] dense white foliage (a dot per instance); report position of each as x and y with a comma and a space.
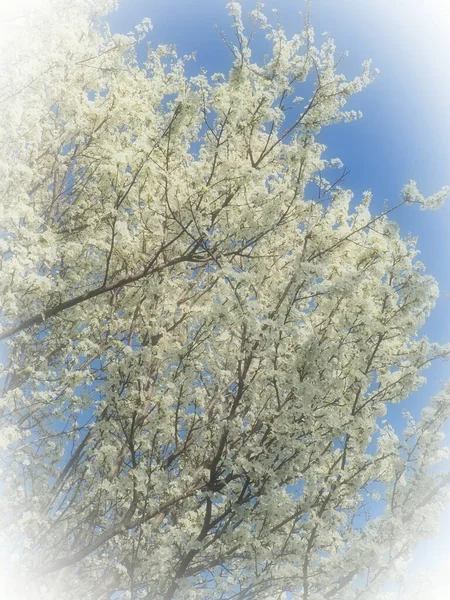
203, 334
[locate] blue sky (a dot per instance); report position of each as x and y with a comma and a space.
404, 133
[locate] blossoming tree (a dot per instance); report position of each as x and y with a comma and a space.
202, 334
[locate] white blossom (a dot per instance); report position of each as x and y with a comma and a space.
201, 350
